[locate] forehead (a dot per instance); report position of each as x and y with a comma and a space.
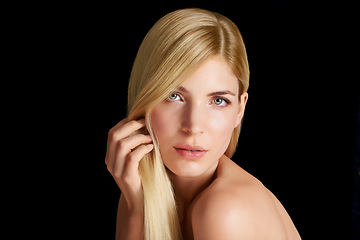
212, 75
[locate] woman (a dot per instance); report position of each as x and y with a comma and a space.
171, 156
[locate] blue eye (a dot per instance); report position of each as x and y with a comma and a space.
218, 101
221, 102
174, 96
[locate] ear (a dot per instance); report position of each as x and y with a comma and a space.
242, 103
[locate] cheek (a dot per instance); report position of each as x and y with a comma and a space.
222, 126
162, 122
222, 122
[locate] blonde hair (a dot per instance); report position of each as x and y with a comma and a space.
174, 47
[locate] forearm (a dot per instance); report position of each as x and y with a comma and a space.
130, 224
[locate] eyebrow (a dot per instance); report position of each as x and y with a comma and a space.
217, 93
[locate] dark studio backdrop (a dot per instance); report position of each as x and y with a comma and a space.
298, 134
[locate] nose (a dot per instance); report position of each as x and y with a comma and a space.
193, 119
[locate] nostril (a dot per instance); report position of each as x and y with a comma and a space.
192, 118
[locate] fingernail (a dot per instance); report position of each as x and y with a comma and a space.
150, 146
142, 120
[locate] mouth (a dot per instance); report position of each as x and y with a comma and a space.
190, 152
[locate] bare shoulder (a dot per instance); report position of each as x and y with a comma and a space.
237, 206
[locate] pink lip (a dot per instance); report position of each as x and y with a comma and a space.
190, 152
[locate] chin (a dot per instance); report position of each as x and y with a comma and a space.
187, 168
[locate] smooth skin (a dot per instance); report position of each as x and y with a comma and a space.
216, 198
124, 152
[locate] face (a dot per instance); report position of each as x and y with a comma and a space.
195, 123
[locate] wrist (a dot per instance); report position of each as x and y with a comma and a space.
135, 209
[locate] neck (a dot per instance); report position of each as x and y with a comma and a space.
186, 189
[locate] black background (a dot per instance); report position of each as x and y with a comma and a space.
298, 134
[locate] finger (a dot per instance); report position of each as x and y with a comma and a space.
133, 159
119, 124
115, 134
134, 141
119, 131
109, 150
125, 147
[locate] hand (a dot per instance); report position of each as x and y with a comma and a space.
124, 152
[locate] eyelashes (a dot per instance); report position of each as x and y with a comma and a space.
216, 100
221, 101
174, 96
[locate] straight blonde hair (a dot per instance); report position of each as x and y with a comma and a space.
173, 48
